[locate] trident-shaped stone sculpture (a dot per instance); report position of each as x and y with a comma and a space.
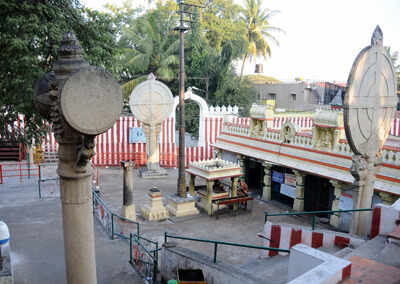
81, 102
370, 104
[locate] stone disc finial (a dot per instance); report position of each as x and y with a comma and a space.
151, 101
377, 37
370, 100
91, 101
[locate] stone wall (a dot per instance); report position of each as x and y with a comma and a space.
175, 257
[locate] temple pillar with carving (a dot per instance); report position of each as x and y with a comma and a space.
388, 198
298, 204
338, 188
267, 189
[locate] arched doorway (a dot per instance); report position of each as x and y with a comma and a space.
189, 95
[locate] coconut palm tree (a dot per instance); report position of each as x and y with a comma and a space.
150, 46
257, 21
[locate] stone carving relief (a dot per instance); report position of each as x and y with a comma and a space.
325, 137
327, 129
288, 132
257, 127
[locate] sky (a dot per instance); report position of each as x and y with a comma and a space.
322, 38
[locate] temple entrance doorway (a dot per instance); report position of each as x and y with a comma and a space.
254, 175
318, 193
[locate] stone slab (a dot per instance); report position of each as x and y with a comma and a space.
153, 174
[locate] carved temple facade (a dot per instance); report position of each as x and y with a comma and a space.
306, 166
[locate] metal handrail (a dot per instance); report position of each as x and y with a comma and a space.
216, 243
153, 254
313, 213
113, 233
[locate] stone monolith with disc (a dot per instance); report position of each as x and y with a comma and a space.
151, 102
81, 102
369, 108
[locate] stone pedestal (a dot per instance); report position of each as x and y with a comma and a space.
338, 187
155, 211
267, 182
298, 204
129, 211
180, 207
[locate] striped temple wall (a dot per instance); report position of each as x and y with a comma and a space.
113, 146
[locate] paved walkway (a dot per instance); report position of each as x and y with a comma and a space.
37, 241
242, 228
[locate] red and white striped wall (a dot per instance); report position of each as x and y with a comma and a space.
383, 219
113, 146
241, 121
301, 122
286, 236
395, 130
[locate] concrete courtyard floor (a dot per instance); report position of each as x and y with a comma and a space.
241, 228
37, 240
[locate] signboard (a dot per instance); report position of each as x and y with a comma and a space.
288, 190
277, 177
136, 135
345, 202
290, 179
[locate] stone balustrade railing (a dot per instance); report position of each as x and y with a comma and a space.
389, 155
236, 129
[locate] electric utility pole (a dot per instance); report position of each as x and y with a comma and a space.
182, 28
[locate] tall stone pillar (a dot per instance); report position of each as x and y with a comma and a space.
267, 189
74, 98
298, 204
128, 208
388, 198
76, 198
338, 188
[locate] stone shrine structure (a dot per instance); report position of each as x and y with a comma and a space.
81, 102
211, 171
151, 102
369, 108
155, 211
128, 208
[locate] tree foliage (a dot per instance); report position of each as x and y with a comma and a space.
259, 30
30, 33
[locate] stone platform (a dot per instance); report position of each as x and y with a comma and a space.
155, 211
179, 206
